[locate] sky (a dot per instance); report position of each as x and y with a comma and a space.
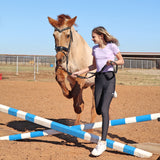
24, 26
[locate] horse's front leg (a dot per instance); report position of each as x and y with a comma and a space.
78, 102
60, 78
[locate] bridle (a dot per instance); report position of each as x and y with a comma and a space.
64, 49
61, 48
67, 50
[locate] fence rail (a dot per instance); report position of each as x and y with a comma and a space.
130, 62
140, 63
26, 63
37, 63
27, 60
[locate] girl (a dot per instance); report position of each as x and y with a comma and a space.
103, 53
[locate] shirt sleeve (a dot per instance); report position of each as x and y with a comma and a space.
115, 49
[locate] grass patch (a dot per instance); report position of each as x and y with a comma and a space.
138, 77
24, 68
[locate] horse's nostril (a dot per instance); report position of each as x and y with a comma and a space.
58, 62
61, 60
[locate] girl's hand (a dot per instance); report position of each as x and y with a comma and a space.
74, 74
108, 63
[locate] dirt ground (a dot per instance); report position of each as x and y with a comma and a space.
45, 99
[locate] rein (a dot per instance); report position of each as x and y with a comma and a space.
62, 49
112, 64
94, 73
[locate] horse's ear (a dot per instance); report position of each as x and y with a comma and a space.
53, 22
71, 22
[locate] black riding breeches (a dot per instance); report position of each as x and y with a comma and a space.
104, 91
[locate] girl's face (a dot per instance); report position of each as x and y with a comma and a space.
97, 39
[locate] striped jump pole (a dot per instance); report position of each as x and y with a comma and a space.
148, 117
95, 125
30, 135
74, 132
122, 121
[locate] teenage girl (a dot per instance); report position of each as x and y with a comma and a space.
103, 53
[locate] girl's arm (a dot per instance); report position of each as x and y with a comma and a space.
120, 60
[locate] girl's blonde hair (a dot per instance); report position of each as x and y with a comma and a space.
107, 37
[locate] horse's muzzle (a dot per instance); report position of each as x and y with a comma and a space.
60, 58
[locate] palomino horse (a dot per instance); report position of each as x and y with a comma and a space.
73, 54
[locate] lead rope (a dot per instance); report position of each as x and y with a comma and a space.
94, 73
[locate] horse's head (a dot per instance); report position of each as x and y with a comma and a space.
63, 36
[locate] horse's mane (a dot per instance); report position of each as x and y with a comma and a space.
61, 19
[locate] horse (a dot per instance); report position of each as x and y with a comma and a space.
72, 54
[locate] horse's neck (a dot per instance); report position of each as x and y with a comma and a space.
80, 55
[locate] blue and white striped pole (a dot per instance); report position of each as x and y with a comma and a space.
29, 135
122, 121
128, 120
95, 125
74, 132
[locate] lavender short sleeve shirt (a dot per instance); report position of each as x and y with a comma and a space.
102, 55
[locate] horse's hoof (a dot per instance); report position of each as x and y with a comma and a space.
68, 95
78, 110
